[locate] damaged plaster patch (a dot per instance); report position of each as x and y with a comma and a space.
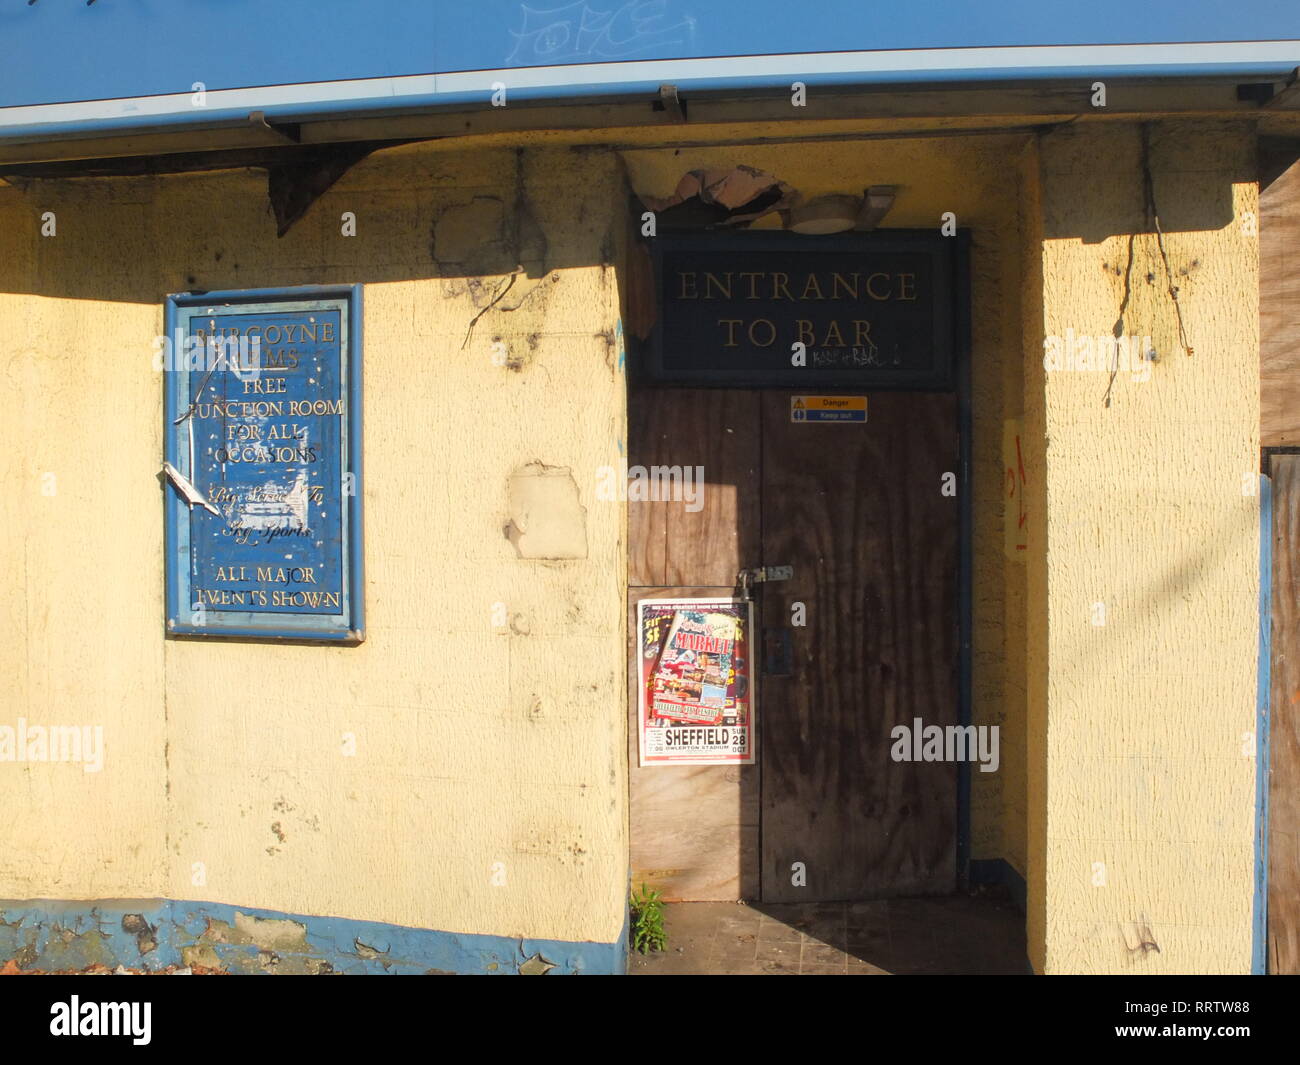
200, 955
366, 952
723, 196
146, 938
270, 945
536, 966
267, 933
17, 944
547, 520
68, 949
471, 235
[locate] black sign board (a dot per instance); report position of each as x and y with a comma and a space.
866, 310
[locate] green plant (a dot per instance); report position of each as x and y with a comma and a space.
647, 909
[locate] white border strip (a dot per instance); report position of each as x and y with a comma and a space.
365, 93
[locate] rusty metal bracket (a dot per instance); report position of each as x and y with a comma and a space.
671, 103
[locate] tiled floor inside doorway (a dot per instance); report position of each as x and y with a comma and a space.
958, 934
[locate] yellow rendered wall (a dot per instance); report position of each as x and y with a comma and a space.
1143, 782
485, 707
977, 180
81, 543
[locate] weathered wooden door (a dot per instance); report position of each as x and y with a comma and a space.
1284, 723
694, 828
858, 510
863, 638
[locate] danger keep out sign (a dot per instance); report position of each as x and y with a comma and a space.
828, 408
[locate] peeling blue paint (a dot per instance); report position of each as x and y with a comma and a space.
53, 935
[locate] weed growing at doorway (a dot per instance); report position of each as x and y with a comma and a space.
647, 920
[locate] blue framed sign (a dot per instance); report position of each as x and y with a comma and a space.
263, 463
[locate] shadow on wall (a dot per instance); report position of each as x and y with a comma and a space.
1141, 173
496, 223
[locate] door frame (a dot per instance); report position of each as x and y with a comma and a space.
644, 354
965, 537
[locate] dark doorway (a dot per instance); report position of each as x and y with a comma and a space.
862, 638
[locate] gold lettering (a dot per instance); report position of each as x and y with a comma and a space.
731, 324
771, 333
906, 286
711, 282
839, 282
872, 292
805, 329
812, 285
833, 338
861, 328
753, 283
282, 359
778, 286
289, 575
266, 386
693, 294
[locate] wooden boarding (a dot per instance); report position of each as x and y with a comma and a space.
694, 829
1279, 310
1284, 724
669, 546
857, 511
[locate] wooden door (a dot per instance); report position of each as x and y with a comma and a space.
859, 512
1284, 723
694, 828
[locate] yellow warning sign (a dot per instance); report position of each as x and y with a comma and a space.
828, 408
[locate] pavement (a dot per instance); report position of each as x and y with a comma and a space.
969, 935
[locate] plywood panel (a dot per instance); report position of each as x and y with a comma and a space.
857, 511
694, 829
1284, 727
674, 542
1279, 310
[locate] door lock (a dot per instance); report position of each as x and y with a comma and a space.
750, 577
